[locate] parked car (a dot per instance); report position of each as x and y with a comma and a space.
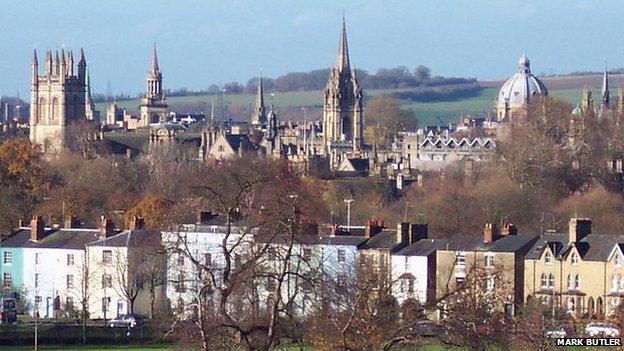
427, 328
126, 320
556, 332
8, 310
602, 329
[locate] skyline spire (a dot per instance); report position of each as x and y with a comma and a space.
154, 69
259, 113
604, 104
342, 61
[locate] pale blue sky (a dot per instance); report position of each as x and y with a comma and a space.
205, 42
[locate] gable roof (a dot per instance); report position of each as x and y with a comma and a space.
593, 247
73, 239
386, 240
423, 247
127, 238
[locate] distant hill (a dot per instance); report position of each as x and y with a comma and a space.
571, 82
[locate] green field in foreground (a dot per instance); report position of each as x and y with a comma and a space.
426, 112
90, 348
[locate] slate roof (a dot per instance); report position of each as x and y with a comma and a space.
387, 240
338, 240
423, 247
75, 239
474, 242
235, 140
126, 238
593, 247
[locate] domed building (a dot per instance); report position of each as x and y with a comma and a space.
518, 91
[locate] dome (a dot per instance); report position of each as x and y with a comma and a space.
519, 89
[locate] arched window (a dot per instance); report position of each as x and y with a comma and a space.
590, 307
548, 257
617, 260
551, 280
577, 282
54, 116
570, 285
42, 109
180, 306
574, 259
599, 306
544, 281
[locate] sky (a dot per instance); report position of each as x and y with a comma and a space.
217, 41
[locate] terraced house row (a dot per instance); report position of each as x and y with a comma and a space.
61, 270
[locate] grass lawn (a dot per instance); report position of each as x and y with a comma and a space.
92, 348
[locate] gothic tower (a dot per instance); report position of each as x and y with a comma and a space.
153, 104
259, 117
57, 98
342, 111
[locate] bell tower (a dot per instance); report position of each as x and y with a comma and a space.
153, 104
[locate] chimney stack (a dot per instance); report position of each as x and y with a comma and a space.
403, 231
578, 228
136, 223
107, 227
488, 233
373, 227
37, 228
72, 222
509, 229
204, 217
20, 223
418, 232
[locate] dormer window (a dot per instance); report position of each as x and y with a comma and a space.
574, 259
548, 257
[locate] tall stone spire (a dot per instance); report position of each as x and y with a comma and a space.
34, 69
604, 103
259, 113
154, 69
342, 61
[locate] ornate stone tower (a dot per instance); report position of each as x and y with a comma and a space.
153, 104
259, 117
57, 98
342, 112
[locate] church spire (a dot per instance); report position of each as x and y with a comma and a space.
259, 114
604, 104
342, 61
154, 67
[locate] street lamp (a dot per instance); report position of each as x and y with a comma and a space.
348, 202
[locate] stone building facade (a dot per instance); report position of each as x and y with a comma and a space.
57, 98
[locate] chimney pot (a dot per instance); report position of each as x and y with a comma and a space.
578, 228
107, 227
37, 228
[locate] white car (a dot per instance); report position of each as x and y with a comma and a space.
602, 329
556, 332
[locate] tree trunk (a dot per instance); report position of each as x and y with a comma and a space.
152, 300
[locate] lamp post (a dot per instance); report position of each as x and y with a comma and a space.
348, 202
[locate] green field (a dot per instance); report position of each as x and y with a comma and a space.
426, 112
91, 348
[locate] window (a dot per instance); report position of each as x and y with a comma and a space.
208, 259
107, 281
7, 279
570, 284
544, 281
574, 259
37, 258
271, 254
221, 148
616, 282
571, 306
70, 259
459, 280
70, 281
577, 282
548, 257
617, 260
489, 261
179, 287
307, 254
410, 286
37, 300
69, 303
342, 256
551, 281
36, 280
270, 284
180, 259
461, 259
341, 280
8, 257
107, 256
489, 283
